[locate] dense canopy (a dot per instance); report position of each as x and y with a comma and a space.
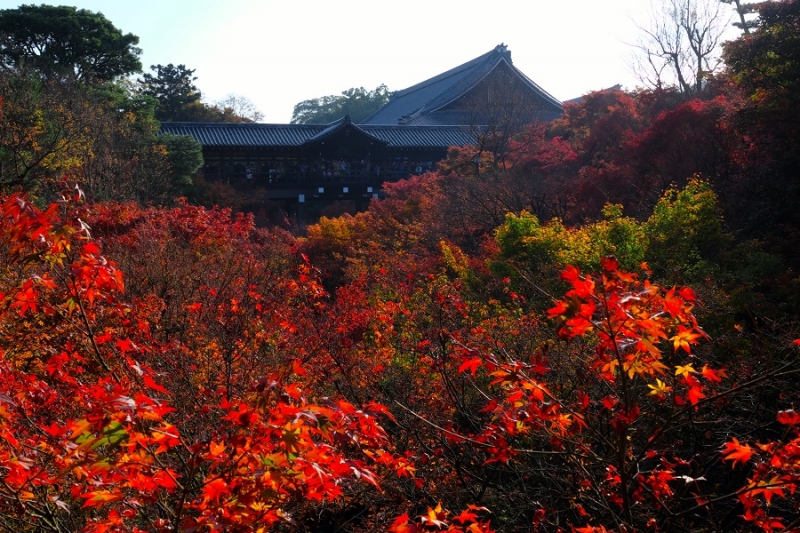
59, 40
359, 103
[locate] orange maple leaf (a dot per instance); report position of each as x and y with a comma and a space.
684, 339
402, 524
215, 449
712, 375
734, 451
100, 497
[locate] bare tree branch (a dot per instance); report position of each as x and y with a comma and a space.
680, 44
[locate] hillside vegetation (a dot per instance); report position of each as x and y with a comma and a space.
595, 329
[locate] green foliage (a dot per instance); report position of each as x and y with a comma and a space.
63, 40
44, 132
173, 88
685, 230
524, 238
102, 138
359, 103
769, 61
184, 157
681, 236
765, 67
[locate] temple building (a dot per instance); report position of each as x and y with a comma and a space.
408, 135
472, 94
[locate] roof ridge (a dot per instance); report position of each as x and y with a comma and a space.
500, 51
428, 107
338, 125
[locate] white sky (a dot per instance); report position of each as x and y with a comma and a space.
280, 52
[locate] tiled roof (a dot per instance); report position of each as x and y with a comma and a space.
466, 117
220, 134
243, 135
330, 129
426, 119
421, 136
433, 94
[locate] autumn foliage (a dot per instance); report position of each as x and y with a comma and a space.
585, 333
92, 438
247, 397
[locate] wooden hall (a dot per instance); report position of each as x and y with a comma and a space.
408, 135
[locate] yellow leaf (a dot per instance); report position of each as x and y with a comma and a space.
684, 370
659, 388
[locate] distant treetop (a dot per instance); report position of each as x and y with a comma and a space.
358, 103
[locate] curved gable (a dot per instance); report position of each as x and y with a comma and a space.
417, 104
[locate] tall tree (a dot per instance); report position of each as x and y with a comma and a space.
358, 103
768, 64
129, 160
173, 88
44, 132
184, 157
680, 45
60, 40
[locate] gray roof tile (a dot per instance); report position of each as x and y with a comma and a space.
243, 135
232, 135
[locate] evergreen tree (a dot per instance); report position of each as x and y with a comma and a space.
62, 40
172, 86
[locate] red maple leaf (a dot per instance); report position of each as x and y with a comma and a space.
789, 417
214, 489
734, 451
471, 365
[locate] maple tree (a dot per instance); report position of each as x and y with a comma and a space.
227, 389
90, 436
775, 473
541, 441
102, 137
600, 433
